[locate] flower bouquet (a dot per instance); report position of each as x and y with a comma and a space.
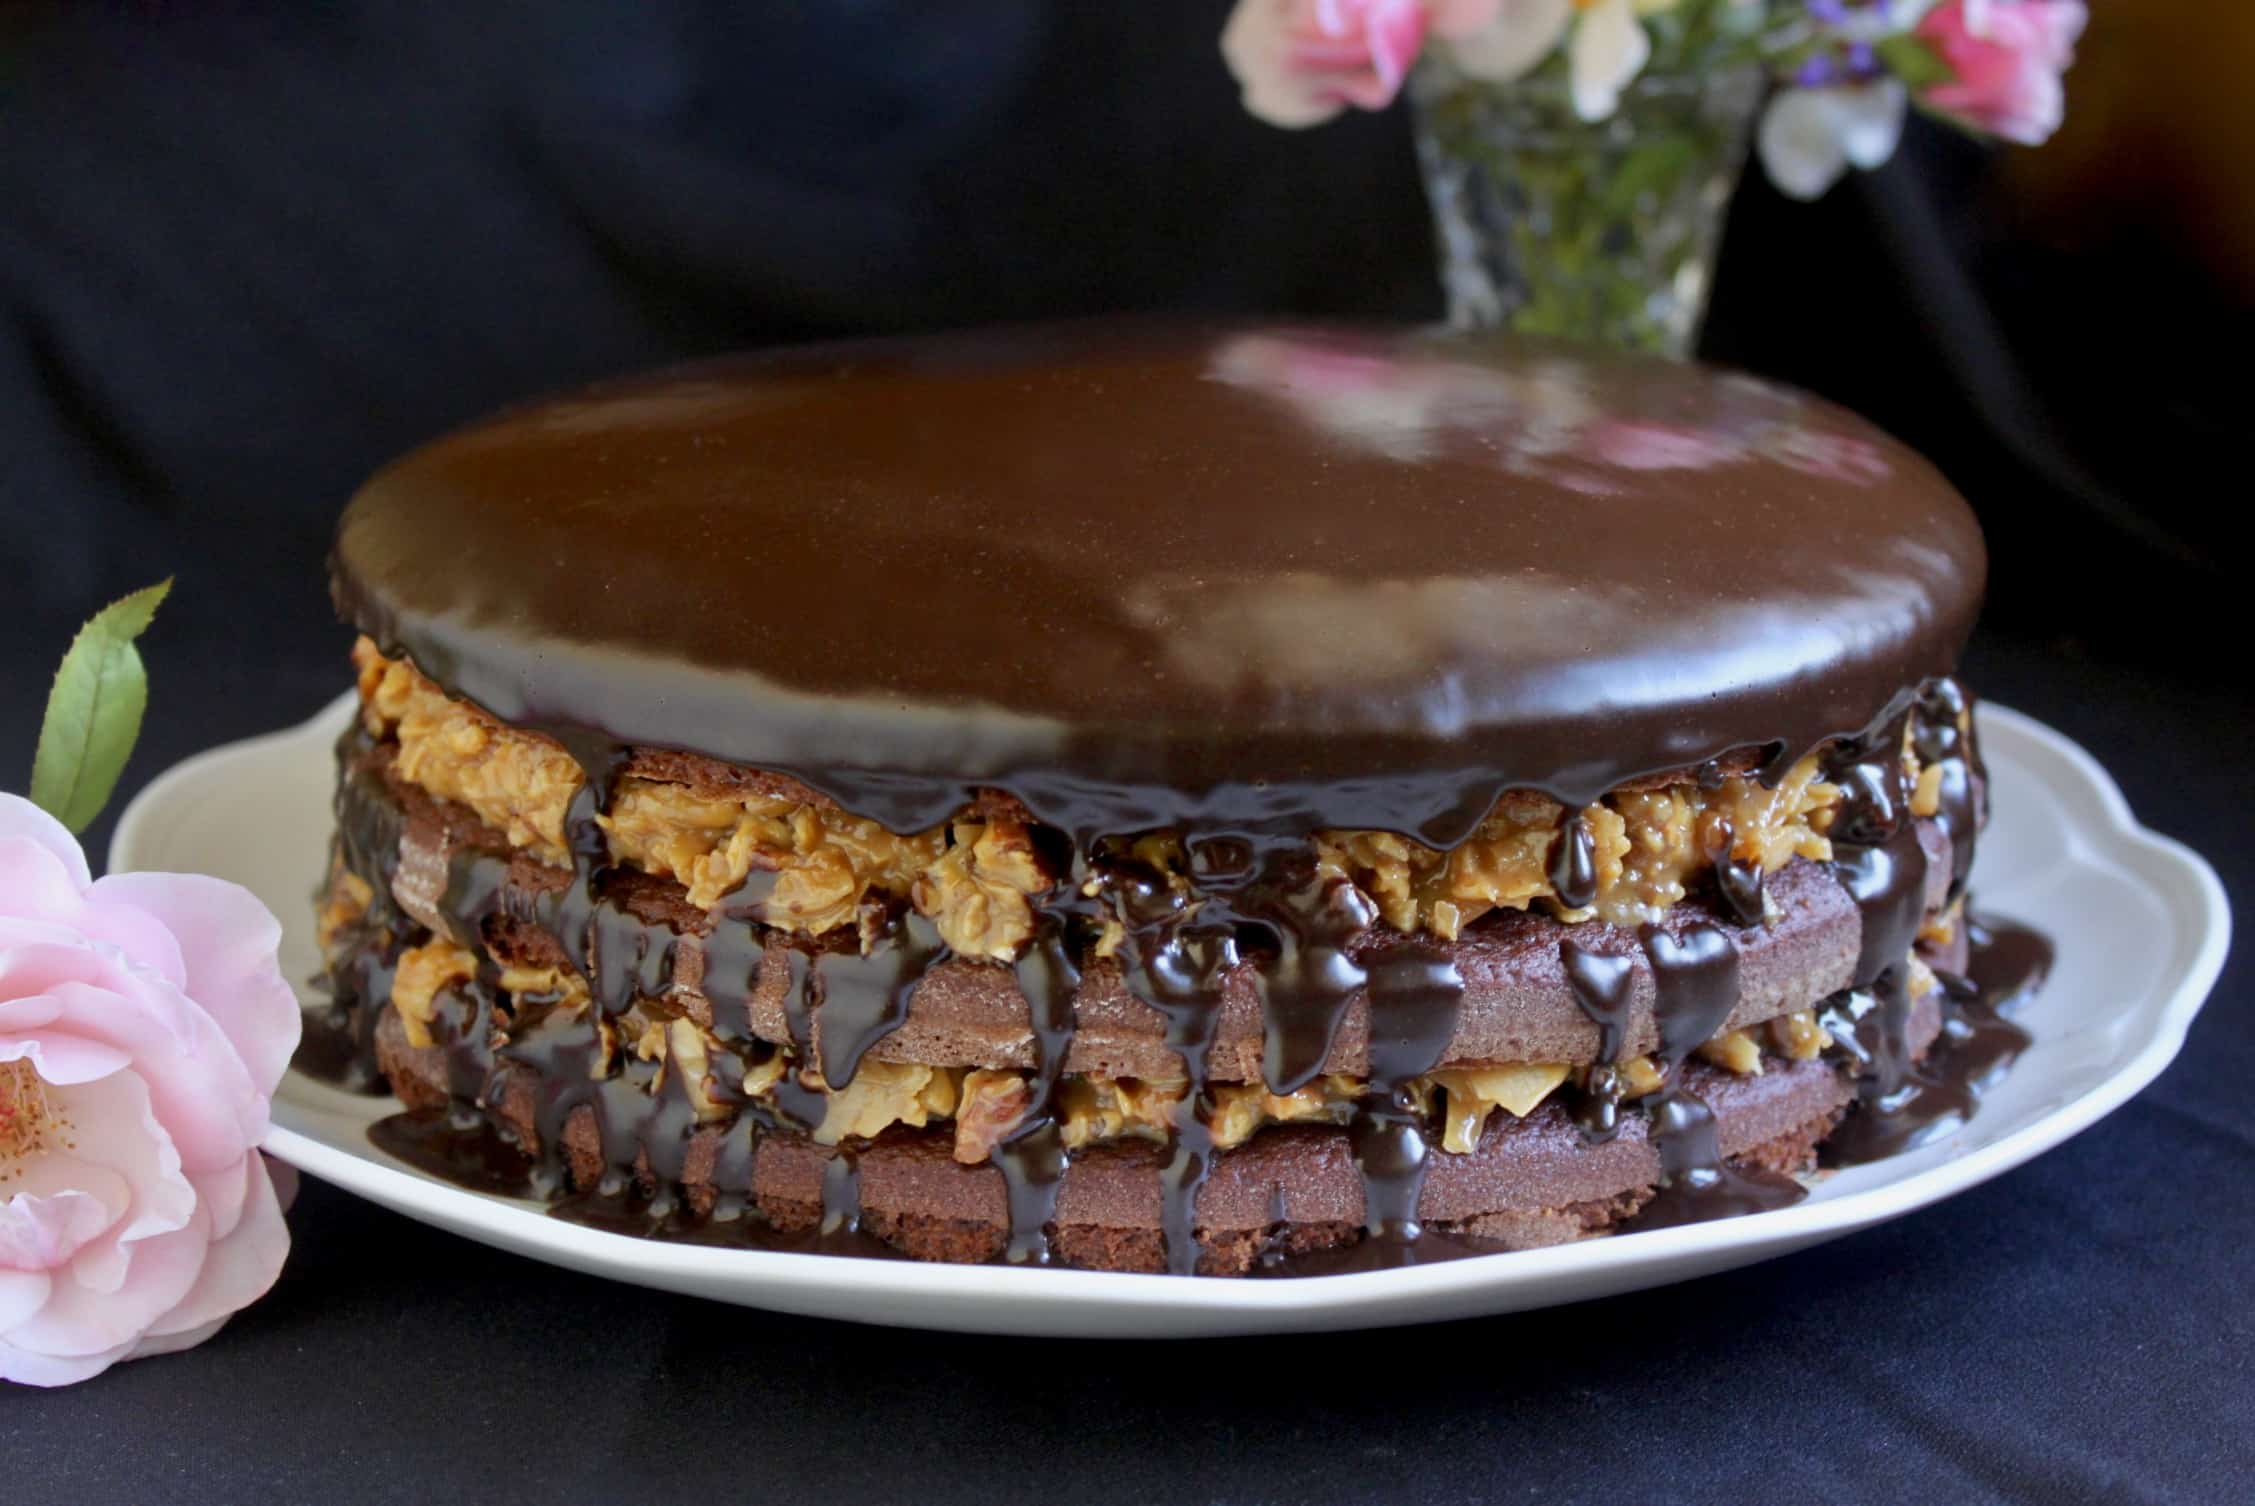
1579, 153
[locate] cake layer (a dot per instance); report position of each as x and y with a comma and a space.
1291, 578
715, 826
1517, 1004
1529, 1181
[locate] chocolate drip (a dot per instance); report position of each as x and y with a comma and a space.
1741, 885
561, 1046
1880, 862
339, 1041
1941, 742
1258, 901
736, 1144
1695, 987
1878, 859
468, 1154
860, 997
1738, 880
734, 950
463, 1023
1179, 964
1415, 996
2006, 964
369, 826
1699, 1184
1295, 926
796, 1104
1032, 1157
1572, 868
1306, 975
632, 959
1603, 987
841, 1192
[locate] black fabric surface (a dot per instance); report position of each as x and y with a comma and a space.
246, 253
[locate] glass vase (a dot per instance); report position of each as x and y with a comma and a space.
1601, 230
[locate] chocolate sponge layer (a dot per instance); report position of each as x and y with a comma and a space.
1529, 1182
1516, 1003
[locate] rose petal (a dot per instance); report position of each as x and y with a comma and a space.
1396, 30
42, 1230
22, 1293
21, 820
58, 1056
173, 1343
1257, 43
29, 1367
222, 1194
240, 1267
122, 1155
37, 883
227, 942
203, 1093
78, 1320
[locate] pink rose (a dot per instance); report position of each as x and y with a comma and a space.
2007, 56
144, 1022
1303, 61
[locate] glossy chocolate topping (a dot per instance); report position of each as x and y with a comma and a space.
1258, 579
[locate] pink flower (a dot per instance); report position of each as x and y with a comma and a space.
2007, 56
144, 1022
1301, 62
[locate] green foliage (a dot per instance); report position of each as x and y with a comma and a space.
94, 711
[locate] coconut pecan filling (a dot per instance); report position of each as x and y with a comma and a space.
983, 1107
978, 878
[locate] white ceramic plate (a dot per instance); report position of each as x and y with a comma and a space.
2140, 922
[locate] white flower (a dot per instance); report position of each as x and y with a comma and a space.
1607, 48
1809, 137
1511, 42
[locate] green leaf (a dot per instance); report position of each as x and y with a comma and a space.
94, 712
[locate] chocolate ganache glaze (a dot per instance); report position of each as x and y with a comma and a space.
1239, 584
1267, 579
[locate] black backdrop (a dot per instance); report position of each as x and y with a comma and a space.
247, 252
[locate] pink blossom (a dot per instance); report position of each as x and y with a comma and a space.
2007, 56
144, 1024
1300, 62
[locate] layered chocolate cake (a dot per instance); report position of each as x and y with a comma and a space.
1158, 799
